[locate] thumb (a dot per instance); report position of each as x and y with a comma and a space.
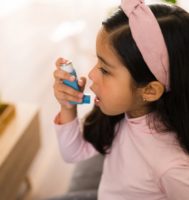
82, 83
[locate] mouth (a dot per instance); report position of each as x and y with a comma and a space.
96, 99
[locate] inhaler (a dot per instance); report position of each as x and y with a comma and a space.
68, 67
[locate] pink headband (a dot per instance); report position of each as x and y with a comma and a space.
149, 38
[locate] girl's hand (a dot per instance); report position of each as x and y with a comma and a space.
64, 93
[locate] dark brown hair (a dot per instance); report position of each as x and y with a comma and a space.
173, 107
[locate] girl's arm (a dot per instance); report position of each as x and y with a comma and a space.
72, 145
175, 183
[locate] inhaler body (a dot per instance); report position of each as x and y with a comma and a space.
68, 67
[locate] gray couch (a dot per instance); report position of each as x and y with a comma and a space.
85, 180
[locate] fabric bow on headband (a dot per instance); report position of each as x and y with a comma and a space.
149, 39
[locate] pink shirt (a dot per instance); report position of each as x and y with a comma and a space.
142, 164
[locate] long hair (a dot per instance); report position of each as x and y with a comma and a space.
173, 107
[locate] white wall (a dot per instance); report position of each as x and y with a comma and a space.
9, 6
184, 4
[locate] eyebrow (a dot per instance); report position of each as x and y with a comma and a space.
104, 61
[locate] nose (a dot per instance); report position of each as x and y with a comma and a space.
92, 78
91, 74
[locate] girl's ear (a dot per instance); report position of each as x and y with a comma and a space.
153, 91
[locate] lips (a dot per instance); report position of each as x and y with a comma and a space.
97, 99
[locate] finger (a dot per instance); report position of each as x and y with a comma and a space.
67, 89
82, 83
59, 62
67, 104
62, 75
66, 97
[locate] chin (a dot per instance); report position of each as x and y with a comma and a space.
111, 112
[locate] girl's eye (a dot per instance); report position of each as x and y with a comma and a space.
103, 71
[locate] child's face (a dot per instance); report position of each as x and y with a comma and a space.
112, 82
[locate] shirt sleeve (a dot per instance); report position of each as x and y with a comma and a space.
175, 183
73, 146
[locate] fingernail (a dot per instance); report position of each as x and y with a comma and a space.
80, 95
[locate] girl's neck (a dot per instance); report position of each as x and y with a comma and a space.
138, 112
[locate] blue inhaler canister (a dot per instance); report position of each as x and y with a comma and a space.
68, 67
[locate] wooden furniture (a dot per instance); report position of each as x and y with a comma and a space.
19, 144
7, 112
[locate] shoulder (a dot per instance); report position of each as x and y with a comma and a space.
175, 181
168, 155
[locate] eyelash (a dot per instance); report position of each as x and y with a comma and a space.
103, 71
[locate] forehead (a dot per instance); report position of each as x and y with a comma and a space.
106, 52
103, 44
102, 37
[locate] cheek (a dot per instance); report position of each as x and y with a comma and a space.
124, 95
121, 95
125, 88
117, 102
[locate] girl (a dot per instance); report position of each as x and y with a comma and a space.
140, 120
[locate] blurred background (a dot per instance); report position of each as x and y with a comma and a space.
33, 34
